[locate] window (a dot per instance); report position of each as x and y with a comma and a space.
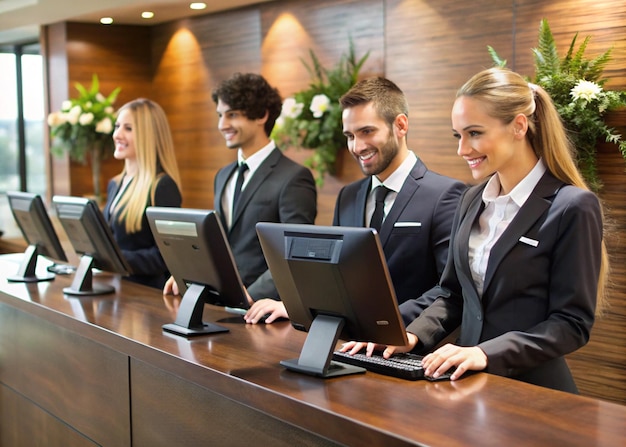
9, 174
22, 123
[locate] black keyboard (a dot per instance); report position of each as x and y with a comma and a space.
404, 366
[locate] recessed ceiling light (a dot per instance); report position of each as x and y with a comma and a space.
106, 20
147, 14
198, 6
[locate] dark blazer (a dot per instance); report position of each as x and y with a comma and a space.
140, 249
280, 190
540, 286
415, 233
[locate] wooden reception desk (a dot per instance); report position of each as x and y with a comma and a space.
100, 371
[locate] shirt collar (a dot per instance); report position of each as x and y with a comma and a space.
522, 190
255, 160
397, 177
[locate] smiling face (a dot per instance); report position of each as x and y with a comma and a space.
378, 149
239, 131
123, 136
489, 145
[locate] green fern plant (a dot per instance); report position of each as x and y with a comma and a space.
576, 86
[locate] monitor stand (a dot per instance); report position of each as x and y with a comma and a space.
315, 357
83, 285
188, 321
26, 272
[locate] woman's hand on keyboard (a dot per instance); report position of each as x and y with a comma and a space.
452, 356
352, 347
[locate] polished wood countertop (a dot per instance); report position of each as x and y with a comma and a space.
368, 409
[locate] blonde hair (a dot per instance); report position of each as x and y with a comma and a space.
154, 149
505, 94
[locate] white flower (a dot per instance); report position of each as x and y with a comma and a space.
72, 116
56, 119
109, 110
66, 105
100, 97
319, 105
105, 125
85, 119
280, 122
291, 108
585, 90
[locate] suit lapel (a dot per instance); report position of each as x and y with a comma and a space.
219, 190
404, 197
473, 210
358, 217
536, 205
257, 179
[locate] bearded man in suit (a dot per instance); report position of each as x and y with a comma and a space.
415, 215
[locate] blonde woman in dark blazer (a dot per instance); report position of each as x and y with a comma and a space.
525, 273
150, 177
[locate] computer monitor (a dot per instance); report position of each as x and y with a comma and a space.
335, 284
197, 253
91, 238
33, 221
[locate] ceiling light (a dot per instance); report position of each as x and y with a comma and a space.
147, 14
197, 5
106, 20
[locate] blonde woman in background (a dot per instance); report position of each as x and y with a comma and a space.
150, 177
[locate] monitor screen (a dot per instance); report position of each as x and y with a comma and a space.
33, 221
91, 238
197, 254
335, 284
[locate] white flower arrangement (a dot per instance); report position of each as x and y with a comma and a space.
83, 121
311, 118
576, 87
83, 127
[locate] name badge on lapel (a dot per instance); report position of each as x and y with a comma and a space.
528, 241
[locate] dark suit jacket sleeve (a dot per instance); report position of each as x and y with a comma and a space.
443, 216
146, 259
297, 204
572, 282
443, 303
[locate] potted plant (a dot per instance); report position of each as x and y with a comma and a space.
83, 128
311, 118
577, 89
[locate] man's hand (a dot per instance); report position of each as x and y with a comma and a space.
352, 347
171, 288
266, 306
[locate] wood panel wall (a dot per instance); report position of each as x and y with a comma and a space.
428, 47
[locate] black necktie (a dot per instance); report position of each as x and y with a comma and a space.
243, 167
379, 211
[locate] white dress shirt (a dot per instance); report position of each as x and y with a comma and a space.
498, 213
